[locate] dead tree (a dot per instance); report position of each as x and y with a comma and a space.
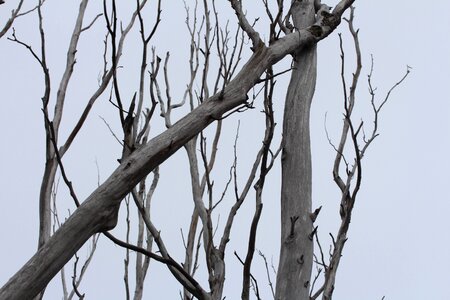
98, 213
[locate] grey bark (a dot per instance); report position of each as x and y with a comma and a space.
99, 211
45, 215
48, 179
296, 252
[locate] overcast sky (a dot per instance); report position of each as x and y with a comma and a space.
398, 243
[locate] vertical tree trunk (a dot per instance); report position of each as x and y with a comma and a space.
296, 253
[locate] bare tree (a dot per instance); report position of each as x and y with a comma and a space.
294, 30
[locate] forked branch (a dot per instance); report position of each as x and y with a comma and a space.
350, 181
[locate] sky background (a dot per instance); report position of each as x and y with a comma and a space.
398, 241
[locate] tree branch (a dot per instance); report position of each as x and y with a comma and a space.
14, 15
99, 211
245, 25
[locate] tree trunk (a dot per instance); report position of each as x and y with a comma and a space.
99, 211
296, 253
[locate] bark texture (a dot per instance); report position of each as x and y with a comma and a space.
99, 211
296, 252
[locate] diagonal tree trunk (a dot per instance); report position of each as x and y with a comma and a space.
296, 252
99, 211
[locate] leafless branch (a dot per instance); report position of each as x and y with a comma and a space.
111, 131
254, 281
178, 271
28, 47
14, 15
143, 262
330, 142
128, 175
57, 224
76, 280
349, 194
165, 105
74, 285
70, 63
30, 10
269, 279
274, 75
145, 41
259, 186
168, 261
106, 78
91, 24
319, 291
52, 137
227, 230
126, 261
245, 25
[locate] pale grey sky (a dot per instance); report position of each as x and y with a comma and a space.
398, 242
